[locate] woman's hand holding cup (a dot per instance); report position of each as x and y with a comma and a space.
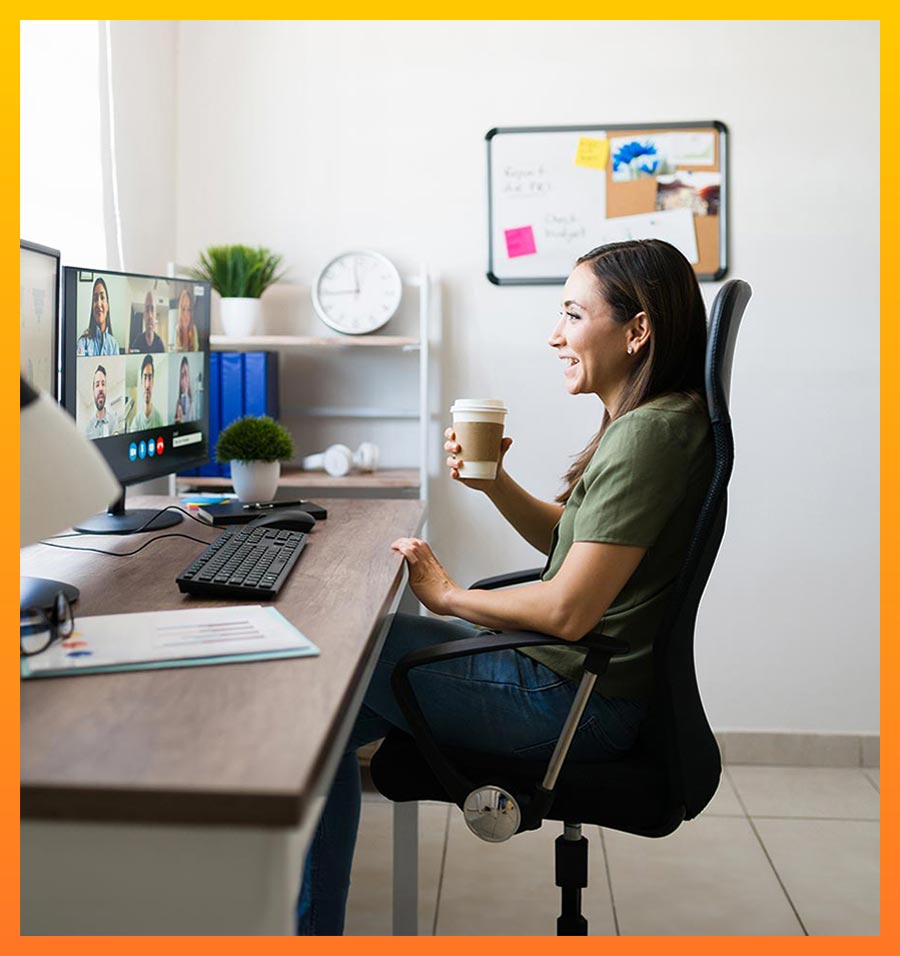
455, 462
478, 445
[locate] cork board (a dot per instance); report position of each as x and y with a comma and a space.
554, 192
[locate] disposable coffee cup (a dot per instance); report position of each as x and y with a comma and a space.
478, 423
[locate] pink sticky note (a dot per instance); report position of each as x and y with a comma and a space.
520, 242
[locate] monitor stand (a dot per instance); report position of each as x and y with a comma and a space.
41, 592
119, 520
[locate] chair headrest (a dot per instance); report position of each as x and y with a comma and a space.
724, 322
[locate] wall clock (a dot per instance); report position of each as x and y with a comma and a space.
357, 292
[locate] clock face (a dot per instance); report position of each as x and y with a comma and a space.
357, 292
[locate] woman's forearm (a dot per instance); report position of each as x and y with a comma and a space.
531, 607
532, 518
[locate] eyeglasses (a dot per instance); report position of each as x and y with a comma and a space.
39, 627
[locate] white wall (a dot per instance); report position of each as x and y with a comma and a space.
316, 137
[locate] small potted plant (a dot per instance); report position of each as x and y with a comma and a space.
256, 447
240, 274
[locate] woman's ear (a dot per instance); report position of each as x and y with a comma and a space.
638, 333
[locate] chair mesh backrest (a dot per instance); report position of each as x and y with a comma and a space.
691, 751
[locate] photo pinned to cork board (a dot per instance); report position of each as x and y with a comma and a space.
555, 192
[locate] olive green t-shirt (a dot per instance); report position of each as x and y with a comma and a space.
643, 487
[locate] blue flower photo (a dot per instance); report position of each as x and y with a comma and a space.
633, 159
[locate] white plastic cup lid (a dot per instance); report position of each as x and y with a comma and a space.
478, 405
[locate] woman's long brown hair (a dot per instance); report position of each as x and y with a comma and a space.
652, 276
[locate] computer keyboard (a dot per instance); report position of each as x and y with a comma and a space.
244, 563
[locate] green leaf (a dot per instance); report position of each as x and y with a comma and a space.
255, 439
239, 271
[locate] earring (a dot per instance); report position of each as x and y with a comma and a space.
630, 350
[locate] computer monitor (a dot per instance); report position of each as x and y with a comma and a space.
39, 364
39, 316
135, 367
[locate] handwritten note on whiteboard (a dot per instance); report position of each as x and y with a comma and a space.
535, 182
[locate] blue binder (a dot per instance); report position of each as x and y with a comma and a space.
232, 378
240, 383
261, 384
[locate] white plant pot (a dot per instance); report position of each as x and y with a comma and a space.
241, 317
255, 480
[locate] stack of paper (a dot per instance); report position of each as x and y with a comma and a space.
187, 638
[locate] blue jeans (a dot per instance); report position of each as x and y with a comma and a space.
498, 702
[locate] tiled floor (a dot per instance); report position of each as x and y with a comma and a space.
779, 851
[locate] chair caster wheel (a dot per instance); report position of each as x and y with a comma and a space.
492, 814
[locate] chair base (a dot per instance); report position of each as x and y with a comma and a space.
571, 878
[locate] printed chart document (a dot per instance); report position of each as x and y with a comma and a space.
157, 639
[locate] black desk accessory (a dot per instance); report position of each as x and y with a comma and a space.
234, 512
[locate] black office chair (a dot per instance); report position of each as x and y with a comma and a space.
673, 770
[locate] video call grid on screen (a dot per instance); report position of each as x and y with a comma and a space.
135, 364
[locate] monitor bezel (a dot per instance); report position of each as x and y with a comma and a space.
56, 345
68, 382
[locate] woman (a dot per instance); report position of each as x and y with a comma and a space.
186, 338
98, 338
184, 408
632, 332
147, 340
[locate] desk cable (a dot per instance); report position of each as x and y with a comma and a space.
128, 554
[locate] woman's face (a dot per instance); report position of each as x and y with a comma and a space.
100, 306
149, 316
591, 343
185, 311
185, 378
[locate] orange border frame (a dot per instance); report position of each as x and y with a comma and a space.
689, 946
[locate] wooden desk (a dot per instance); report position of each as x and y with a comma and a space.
181, 801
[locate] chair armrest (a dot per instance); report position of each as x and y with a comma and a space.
506, 580
601, 649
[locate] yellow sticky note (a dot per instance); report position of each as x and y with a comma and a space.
593, 153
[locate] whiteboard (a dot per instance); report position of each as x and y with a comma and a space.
554, 193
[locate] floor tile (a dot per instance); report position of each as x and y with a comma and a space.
830, 870
725, 802
369, 909
508, 889
805, 792
709, 878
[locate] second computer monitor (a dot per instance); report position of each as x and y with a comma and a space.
135, 368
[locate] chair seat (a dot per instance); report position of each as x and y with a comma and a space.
629, 794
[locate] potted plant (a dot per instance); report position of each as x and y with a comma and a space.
240, 274
256, 447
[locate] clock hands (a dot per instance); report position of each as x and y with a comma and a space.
354, 291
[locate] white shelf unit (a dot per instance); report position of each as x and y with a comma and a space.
414, 478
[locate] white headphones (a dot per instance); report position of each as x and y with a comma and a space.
339, 460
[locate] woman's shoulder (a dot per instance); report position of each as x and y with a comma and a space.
668, 424
680, 414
